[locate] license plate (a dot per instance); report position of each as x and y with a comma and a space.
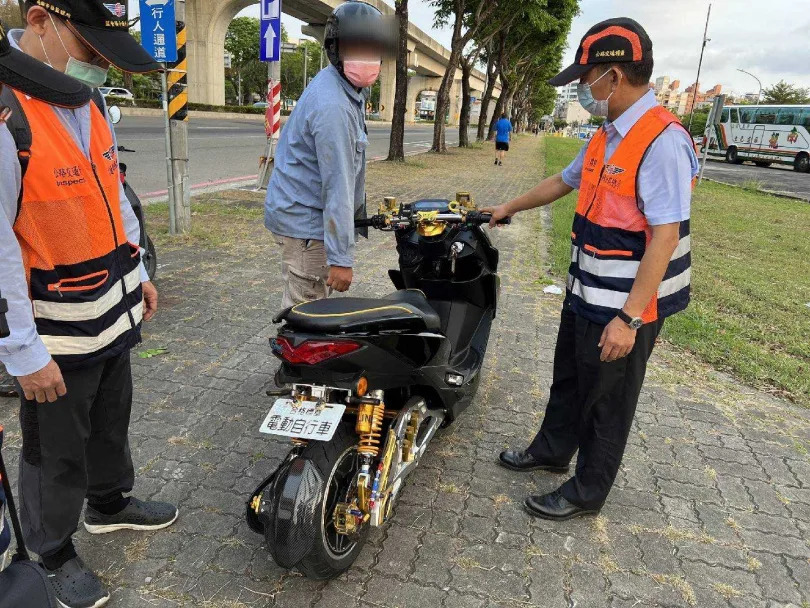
304, 420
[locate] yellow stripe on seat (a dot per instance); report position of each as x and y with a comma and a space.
345, 314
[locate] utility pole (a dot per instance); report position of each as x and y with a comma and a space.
711, 124
178, 127
270, 51
700, 64
759, 82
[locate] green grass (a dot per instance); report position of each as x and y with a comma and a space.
559, 152
750, 280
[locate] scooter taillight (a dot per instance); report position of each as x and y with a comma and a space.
312, 352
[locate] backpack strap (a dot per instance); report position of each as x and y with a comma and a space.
98, 99
20, 130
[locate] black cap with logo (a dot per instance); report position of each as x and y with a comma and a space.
620, 40
104, 27
34, 78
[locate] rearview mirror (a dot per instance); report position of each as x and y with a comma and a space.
115, 114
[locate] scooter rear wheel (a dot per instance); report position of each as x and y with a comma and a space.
338, 463
150, 259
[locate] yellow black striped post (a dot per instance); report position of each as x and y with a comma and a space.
178, 78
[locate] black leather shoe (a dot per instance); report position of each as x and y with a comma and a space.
555, 506
523, 461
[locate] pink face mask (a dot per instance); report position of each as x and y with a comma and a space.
361, 73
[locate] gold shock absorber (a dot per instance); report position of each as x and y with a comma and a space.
369, 427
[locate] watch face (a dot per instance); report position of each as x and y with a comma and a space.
636, 323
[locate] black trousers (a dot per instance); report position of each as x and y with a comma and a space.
75, 448
591, 407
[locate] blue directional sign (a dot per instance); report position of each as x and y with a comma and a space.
158, 33
270, 41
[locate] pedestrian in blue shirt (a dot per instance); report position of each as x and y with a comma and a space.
503, 130
318, 184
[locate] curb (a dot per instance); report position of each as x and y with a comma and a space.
792, 197
157, 113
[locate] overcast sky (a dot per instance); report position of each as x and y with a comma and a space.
770, 38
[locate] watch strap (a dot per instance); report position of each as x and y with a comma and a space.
632, 322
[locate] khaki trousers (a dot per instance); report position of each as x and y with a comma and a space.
303, 270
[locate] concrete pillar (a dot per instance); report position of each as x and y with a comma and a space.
476, 109
410, 107
388, 87
207, 22
417, 84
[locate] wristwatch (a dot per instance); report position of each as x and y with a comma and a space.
633, 322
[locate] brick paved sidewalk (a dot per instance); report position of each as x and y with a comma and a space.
711, 508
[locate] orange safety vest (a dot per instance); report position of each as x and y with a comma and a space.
610, 233
83, 275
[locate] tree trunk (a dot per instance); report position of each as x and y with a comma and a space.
494, 68
487, 98
443, 95
443, 98
500, 108
396, 150
129, 82
466, 104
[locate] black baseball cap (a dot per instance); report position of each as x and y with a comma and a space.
104, 27
620, 40
34, 78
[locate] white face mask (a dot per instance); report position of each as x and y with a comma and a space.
92, 75
596, 107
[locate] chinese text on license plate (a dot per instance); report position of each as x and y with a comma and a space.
305, 420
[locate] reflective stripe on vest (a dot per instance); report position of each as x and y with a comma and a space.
610, 233
83, 274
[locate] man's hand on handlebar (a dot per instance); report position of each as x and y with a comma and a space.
499, 213
340, 278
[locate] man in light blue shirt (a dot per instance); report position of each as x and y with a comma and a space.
503, 135
664, 195
318, 184
630, 266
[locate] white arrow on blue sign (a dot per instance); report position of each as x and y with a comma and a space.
270, 42
158, 33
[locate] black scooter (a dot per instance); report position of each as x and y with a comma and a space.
149, 256
372, 382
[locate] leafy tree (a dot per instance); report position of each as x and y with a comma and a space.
241, 43
292, 68
784, 93
468, 62
493, 55
10, 13
559, 124
467, 16
143, 86
699, 120
597, 121
396, 147
529, 51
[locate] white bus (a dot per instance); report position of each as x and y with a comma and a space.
764, 135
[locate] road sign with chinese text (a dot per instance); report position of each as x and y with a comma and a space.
158, 33
270, 41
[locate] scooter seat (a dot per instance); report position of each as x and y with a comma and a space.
405, 310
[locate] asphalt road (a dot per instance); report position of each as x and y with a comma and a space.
776, 178
226, 151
